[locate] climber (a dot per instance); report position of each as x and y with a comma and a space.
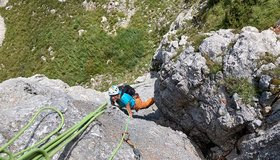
130, 102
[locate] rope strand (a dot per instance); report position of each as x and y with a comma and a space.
121, 141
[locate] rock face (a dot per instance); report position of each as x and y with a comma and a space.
2, 30
20, 98
3, 3
191, 93
264, 145
2, 24
250, 47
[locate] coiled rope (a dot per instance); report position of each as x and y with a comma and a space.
49, 149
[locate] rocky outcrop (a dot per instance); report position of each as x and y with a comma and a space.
264, 145
244, 60
3, 3
20, 98
2, 30
193, 90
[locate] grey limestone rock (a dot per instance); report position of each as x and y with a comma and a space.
21, 97
199, 102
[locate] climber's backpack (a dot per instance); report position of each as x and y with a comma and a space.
127, 89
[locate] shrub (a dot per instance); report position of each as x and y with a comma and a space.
242, 87
213, 66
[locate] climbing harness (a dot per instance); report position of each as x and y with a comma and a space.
49, 149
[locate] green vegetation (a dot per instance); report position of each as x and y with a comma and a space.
238, 13
275, 73
43, 38
242, 87
276, 82
178, 52
266, 59
233, 14
213, 66
260, 13
193, 32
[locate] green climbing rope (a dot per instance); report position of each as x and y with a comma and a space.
3, 149
121, 141
48, 150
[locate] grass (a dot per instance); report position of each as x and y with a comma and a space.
179, 50
231, 14
213, 66
242, 87
239, 13
266, 58
193, 33
40, 42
